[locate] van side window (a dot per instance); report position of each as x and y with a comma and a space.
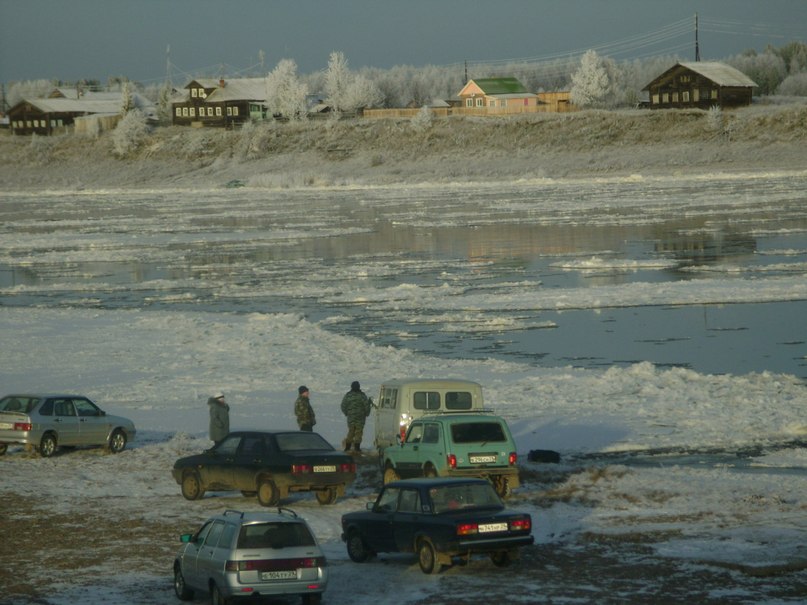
426, 400
458, 400
389, 398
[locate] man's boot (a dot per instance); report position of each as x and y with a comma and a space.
356, 447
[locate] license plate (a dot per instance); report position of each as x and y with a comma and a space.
491, 527
482, 459
279, 575
325, 469
6, 425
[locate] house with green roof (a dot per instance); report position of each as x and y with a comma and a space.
505, 94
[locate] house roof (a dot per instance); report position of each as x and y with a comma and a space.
500, 86
111, 103
237, 89
719, 73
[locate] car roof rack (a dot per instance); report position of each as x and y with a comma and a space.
449, 412
282, 510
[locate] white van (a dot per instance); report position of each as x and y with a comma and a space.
401, 401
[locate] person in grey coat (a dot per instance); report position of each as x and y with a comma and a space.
356, 407
219, 417
306, 419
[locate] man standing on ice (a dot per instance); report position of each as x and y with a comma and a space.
219, 417
303, 410
356, 407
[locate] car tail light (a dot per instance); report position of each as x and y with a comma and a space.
300, 469
466, 529
275, 564
452, 460
348, 467
520, 525
512, 458
23, 426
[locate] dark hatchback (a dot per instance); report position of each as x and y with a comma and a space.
269, 465
439, 519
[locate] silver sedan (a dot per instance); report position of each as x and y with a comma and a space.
45, 422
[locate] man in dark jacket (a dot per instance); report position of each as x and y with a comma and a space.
356, 407
303, 410
219, 417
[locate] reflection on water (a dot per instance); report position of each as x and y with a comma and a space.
346, 257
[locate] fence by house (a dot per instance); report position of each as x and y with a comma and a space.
548, 102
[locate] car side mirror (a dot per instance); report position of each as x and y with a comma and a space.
370, 505
185, 538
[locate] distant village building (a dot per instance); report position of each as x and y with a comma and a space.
701, 85
64, 109
496, 93
221, 103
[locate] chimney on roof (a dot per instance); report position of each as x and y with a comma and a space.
221, 83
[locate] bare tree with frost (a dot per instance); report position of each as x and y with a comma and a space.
130, 133
346, 91
590, 83
285, 92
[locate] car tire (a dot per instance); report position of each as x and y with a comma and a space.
117, 442
502, 558
192, 488
180, 588
427, 557
268, 494
356, 547
429, 471
327, 496
216, 598
390, 474
47, 446
312, 599
3, 448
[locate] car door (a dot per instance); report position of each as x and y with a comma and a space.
65, 422
408, 519
408, 456
191, 554
217, 469
377, 527
92, 424
251, 455
209, 562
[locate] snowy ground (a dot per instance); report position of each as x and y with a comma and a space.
674, 485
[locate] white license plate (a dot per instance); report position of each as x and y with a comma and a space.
325, 469
6, 425
482, 459
490, 527
279, 575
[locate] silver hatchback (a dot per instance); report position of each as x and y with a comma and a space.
45, 422
240, 556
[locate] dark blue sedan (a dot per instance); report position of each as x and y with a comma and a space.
439, 519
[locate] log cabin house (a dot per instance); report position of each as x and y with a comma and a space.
700, 85
221, 103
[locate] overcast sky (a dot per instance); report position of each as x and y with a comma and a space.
96, 39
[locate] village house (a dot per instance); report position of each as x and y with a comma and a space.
221, 103
496, 93
701, 85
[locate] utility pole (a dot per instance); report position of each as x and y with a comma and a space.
697, 48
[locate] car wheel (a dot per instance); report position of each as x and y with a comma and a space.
502, 558
429, 471
47, 447
327, 496
3, 448
356, 548
180, 588
502, 487
117, 442
192, 486
427, 557
268, 494
216, 598
312, 599
390, 475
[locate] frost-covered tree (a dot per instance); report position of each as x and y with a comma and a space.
29, 89
767, 69
423, 119
795, 85
164, 108
130, 133
591, 85
345, 91
285, 92
127, 98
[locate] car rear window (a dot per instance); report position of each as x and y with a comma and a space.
274, 535
476, 432
453, 497
16, 403
300, 441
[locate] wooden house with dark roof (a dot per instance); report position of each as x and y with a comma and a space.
221, 103
700, 85
496, 93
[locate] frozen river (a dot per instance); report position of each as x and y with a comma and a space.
702, 273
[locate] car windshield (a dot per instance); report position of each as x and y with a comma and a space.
477, 432
446, 498
274, 535
17, 403
294, 442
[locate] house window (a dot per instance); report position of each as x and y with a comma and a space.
28, 123
193, 92
685, 78
655, 99
178, 112
696, 95
235, 111
202, 94
480, 102
185, 112
493, 102
210, 112
218, 111
685, 96
675, 97
193, 112
229, 111
665, 97
469, 102
714, 93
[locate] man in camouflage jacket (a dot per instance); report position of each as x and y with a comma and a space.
356, 407
303, 410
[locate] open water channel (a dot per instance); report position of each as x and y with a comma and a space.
708, 273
